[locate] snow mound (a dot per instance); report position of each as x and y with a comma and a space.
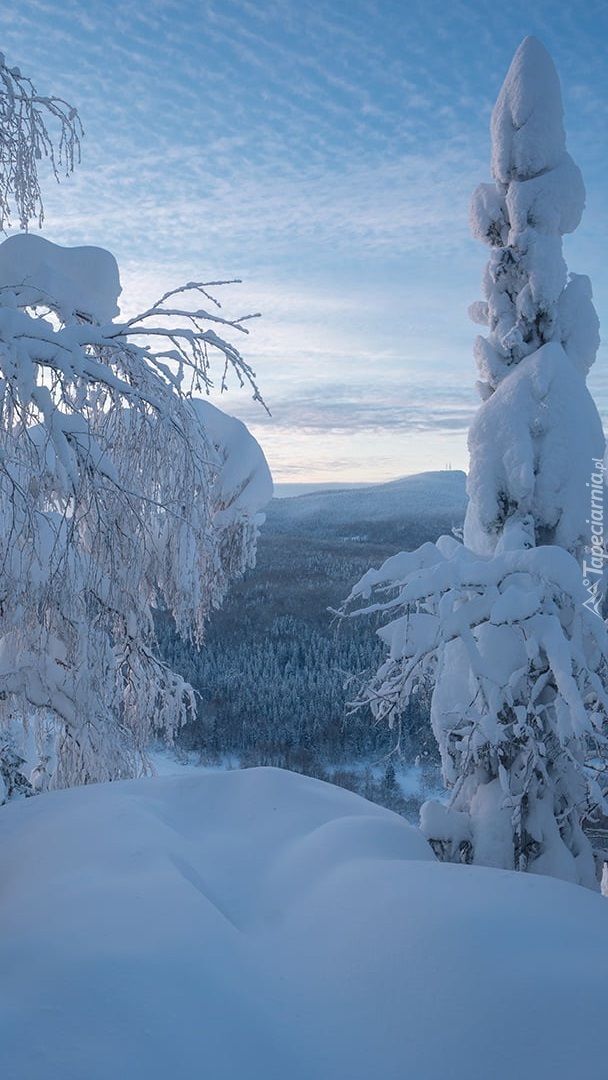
262, 924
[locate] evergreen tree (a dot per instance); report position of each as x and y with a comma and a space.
503, 623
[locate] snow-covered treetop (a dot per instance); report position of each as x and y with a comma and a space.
527, 122
533, 440
538, 197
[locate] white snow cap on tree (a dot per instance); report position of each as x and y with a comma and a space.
532, 447
244, 483
523, 143
83, 280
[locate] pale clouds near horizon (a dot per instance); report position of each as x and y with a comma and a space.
326, 155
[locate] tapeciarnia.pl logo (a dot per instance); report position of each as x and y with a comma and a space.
593, 570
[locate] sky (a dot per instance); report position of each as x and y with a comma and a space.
324, 153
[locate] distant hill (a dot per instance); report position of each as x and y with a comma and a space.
403, 512
289, 489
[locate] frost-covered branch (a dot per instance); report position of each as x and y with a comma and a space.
191, 338
25, 138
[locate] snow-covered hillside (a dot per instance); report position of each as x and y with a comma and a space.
258, 925
375, 513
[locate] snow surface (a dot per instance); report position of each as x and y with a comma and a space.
262, 924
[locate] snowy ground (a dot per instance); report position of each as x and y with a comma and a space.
259, 924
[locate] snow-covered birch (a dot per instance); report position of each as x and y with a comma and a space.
119, 494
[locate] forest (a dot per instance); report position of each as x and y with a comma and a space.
278, 669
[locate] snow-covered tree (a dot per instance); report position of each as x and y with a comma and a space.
118, 495
503, 622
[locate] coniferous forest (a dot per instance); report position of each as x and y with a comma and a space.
278, 669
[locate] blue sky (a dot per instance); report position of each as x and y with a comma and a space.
325, 152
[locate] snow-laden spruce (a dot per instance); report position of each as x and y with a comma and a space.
502, 624
119, 494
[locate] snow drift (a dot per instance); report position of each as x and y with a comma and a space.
262, 924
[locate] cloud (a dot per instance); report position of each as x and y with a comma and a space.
356, 408
326, 153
